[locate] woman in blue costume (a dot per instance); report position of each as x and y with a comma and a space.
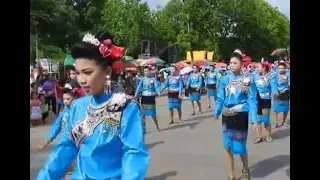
59, 123
222, 72
237, 101
282, 97
104, 131
148, 88
194, 84
174, 84
266, 86
211, 84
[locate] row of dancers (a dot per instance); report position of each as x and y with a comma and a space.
271, 84
103, 135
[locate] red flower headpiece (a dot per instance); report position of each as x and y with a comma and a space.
107, 49
246, 60
78, 92
266, 64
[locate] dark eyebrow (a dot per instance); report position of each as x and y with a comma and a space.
86, 69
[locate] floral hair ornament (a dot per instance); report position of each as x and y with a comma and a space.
106, 47
266, 64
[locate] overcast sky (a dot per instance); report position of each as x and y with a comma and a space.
283, 5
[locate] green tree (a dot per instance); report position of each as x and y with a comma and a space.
129, 21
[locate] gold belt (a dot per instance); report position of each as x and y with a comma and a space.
232, 111
229, 112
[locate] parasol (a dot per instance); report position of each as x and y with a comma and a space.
279, 51
152, 61
220, 65
130, 67
202, 64
68, 61
186, 70
167, 69
181, 65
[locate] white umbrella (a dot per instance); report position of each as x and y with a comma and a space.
186, 70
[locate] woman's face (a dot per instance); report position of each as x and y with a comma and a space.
73, 75
90, 76
281, 69
34, 95
67, 99
195, 69
146, 72
172, 70
211, 68
235, 64
259, 68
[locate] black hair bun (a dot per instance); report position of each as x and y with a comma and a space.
105, 35
67, 91
91, 51
236, 55
85, 50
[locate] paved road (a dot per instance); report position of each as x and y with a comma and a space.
192, 150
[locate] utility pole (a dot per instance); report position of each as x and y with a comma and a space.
189, 30
37, 49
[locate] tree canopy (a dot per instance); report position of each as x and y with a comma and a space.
214, 25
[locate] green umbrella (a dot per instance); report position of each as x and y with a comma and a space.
68, 61
160, 61
128, 58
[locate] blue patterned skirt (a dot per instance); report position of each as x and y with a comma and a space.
281, 104
148, 104
174, 102
211, 90
194, 94
235, 132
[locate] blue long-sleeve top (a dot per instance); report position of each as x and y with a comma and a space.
148, 86
173, 83
195, 80
266, 85
56, 127
111, 149
283, 82
211, 78
229, 94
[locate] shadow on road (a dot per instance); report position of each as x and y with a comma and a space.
163, 176
281, 134
199, 118
152, 145
269, 166
190, 125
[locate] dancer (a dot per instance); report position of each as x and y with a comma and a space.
211, 85
104, 131
282, 97
175, 85
56, 128
222, 73
194, 84
149, 88
185, 78
266, 86
236, 100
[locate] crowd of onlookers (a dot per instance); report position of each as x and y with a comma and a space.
46, 94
